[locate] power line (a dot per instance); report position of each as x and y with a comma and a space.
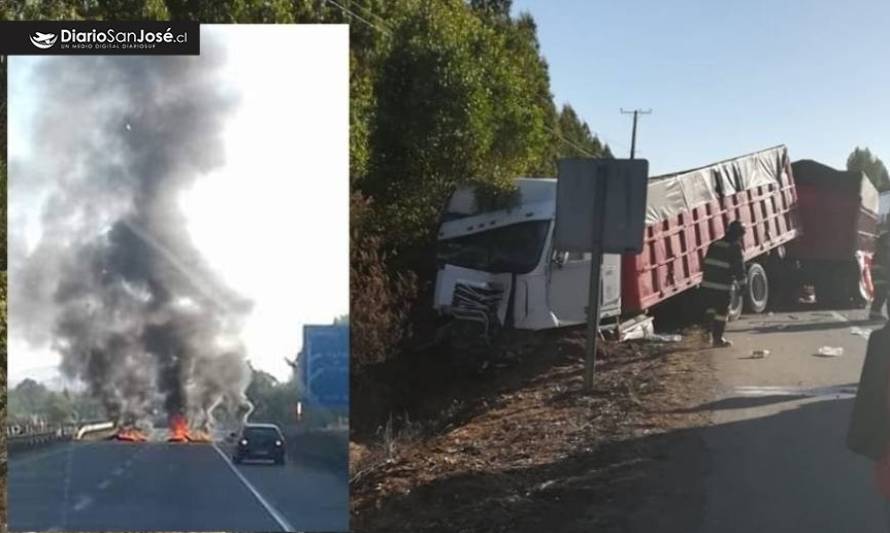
359, 17
370, 12
568, 142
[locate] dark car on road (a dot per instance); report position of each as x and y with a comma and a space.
260, 441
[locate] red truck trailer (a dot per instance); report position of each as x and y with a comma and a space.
687, 211
839, 213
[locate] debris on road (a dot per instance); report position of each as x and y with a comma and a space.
861, 332
830, 351
759, 354
662, 337
638, 327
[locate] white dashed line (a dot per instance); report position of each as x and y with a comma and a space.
117, 471
82, 503
285, 525
105, 484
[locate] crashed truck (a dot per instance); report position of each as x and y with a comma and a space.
499, 268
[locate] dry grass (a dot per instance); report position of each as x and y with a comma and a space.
529, 449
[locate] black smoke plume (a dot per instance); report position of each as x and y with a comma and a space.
114, 283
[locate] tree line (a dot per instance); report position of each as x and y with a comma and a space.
862, 160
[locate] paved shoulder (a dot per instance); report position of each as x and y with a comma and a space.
776, 448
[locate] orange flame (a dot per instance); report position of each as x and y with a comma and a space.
180, 432
130, 435
179, 429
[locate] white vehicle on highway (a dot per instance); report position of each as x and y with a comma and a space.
499, 267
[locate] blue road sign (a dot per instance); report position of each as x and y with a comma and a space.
325, 371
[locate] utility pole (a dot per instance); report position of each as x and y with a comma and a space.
633, 135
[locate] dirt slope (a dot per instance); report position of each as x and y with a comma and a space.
529, 451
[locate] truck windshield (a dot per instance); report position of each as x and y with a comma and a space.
515, 249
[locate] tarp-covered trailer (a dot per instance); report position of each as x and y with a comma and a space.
839, 213
689, 210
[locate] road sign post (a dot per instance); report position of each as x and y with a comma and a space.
596, 266
600, 208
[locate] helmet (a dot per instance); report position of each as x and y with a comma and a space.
735, 230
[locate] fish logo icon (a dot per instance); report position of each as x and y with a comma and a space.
43, 40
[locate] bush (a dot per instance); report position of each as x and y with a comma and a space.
379, 301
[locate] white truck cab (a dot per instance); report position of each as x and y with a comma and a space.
499, 268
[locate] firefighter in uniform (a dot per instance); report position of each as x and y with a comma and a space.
724, 265
880, 275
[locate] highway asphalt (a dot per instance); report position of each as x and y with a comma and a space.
776, 454
159, 486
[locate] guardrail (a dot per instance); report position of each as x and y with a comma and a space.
92, 428
19, 437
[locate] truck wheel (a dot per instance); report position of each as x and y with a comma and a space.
757, 290
736, 302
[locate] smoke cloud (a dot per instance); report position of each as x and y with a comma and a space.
114, 283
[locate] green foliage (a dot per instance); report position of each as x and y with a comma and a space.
130, 10
32, 399
379, 296
273, 401
224, 11
496, 9
229, 11
580, 141
46, 9
862, 160
458, 101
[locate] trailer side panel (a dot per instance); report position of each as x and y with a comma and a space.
691, 210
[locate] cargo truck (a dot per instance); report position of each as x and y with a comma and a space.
499, 267
839, 213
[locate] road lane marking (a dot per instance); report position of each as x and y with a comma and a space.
839, 316
82, 503
117, 471
285, 525
104, 485
67, 489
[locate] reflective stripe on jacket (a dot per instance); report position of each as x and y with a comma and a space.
723, 263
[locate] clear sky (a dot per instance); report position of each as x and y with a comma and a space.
273, 220
723, 78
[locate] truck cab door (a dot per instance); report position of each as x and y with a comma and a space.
568, 286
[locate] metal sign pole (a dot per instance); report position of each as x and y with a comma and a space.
596, 263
